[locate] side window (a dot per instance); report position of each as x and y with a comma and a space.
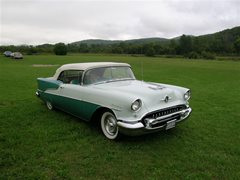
61, 77
71, 76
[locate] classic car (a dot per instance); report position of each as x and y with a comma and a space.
110, 93
17, 55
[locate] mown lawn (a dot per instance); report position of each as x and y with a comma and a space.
39, 144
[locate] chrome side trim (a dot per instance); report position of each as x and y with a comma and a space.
113, 108
62, 95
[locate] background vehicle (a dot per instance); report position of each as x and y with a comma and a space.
17, 55
7, 53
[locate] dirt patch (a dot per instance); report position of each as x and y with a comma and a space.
44, 65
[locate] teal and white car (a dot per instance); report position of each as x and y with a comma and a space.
109, 92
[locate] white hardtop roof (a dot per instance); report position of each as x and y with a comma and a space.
85, 66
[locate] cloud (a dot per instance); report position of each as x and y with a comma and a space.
52, 21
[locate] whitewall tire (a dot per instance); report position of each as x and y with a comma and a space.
109, 125
49, 105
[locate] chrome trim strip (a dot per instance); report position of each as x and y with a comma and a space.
63, 96
113, 108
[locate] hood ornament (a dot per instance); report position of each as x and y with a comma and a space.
166, 99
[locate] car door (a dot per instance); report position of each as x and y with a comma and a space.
71, 94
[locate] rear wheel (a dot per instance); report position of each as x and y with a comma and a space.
109, 125
49, 105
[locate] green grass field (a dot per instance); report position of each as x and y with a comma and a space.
39, 144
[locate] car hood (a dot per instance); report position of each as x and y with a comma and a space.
152, 94
135, 88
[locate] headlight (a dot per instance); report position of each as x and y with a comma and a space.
187, 95
136, 105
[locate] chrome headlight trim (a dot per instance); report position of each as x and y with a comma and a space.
187, 95
136, 105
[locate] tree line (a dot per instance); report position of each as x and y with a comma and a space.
222, 43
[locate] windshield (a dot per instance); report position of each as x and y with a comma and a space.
107, 74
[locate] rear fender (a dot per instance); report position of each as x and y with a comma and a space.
46, 83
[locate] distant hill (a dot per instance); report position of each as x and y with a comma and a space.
96, 42
233, 32
147, 40
110, 42
219, 42
228, 35
223, 42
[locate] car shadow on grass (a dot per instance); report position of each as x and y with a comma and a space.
93, 128
151, 137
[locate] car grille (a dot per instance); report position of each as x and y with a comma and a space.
164, 112
165, 120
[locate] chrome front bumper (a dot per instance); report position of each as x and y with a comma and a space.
149, 125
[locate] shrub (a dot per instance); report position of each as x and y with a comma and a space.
32, 50
207, 55
150, 52
193, 55
60, 49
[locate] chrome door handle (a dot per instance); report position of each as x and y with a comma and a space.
61, 87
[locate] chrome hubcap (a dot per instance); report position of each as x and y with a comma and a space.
49, 105
110, 125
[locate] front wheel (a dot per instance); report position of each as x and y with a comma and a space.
49, 105
109, 125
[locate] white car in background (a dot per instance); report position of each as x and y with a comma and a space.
109, 92
17, 55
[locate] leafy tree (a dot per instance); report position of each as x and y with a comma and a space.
207, 55
158, 48
172, 48
60, 49
197, 45
193, 55
117, 50
72, 48
150, 51
45, 48
185, 44
237, 45
83, 48
32, 50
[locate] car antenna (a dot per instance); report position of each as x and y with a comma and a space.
142, 69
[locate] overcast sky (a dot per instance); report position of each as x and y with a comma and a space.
51, 21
